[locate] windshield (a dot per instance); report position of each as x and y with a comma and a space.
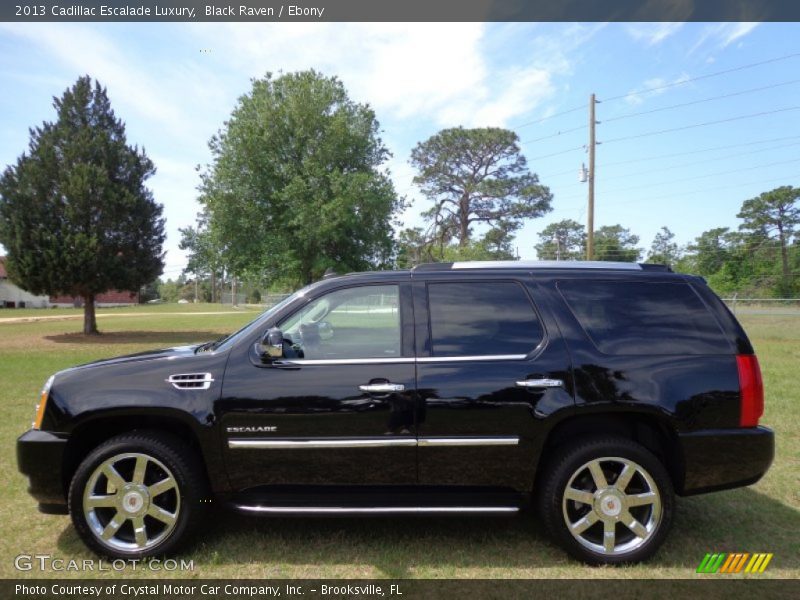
227, 342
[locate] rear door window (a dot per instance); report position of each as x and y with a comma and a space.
639, 317
487, 318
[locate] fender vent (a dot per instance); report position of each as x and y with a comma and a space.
191, 381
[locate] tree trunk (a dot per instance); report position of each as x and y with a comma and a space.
784, 259
89, 318
463, 221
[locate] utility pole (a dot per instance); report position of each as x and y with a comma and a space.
592, 143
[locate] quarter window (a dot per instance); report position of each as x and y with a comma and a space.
482, 319
636, 317
360, 322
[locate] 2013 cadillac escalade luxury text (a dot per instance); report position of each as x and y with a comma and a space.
593, 392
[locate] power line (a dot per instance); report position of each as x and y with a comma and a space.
665, 86
684, 153
753, 168
683, 194
558, 133
704, 124
689, 164
652, 184
660, 87
693, 102
582, 147
700, 151
700, 77
548, 117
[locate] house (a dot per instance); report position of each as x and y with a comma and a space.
106, 299
13, 296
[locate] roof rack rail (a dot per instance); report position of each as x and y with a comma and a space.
540, 264
441, 266
656, 267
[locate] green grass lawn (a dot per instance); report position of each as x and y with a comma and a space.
762, 518
137, 309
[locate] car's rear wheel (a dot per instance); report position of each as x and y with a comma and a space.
607, 501
136, 495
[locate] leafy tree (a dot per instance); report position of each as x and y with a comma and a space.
75, 215
294, 187
169, 290
775, 215
563, 240
483, 249
616, 243
148, 291
663, 250
710, 251
476, 176
414, 248
205, 253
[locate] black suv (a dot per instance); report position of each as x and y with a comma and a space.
592, 391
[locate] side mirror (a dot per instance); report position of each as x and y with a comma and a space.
272, 343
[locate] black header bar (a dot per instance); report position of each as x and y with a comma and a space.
400, 10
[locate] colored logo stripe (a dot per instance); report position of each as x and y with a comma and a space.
722, 562
758, 563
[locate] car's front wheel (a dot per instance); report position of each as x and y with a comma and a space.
136, 495
607, 501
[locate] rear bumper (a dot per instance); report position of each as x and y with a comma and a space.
719, 459
40, 456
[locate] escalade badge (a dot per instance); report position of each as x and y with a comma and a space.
252, 429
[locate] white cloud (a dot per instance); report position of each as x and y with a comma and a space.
722, 35
85, 51
651, 88
733, 31
438, 72
652, 33
404, 69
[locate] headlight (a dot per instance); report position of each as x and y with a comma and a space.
37, 423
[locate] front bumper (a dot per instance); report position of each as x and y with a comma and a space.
40, 456
719, 459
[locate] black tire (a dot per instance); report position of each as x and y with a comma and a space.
608, 540
169, 462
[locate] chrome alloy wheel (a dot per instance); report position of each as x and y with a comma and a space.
131, 502
612, 506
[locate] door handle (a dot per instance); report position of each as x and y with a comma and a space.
540, 383
382, 388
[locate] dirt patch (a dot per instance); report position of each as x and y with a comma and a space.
154, 338
11, 320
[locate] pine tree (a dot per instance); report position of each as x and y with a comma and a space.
75, 215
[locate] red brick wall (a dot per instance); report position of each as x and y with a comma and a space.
111, 297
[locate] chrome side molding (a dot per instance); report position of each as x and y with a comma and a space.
375, 510
321, 443
272, 444
508, 440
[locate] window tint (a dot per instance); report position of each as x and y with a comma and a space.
482, 318
631, 317
361, 322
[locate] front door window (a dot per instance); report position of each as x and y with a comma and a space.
350, 323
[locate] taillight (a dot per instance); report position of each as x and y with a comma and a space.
751, 389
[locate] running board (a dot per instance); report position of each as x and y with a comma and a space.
373, 510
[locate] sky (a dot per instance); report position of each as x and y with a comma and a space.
174, 85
